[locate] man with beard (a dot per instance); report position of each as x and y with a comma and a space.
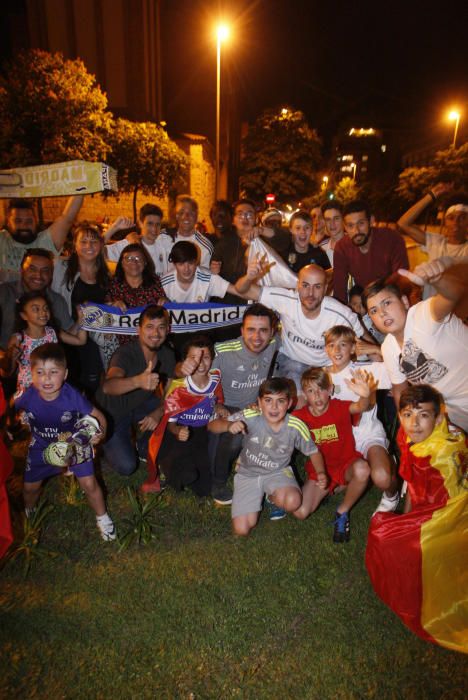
21, 232
305, 314
132, 390
366, 253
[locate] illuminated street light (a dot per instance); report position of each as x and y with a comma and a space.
454, 116
354, 167
324, 182
222, 33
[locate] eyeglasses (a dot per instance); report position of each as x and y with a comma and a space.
133, 258
245, 215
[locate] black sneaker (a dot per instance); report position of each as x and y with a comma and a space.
341, 532
222, 495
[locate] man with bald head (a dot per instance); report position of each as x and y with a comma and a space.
305, 313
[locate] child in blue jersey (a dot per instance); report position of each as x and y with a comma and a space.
190, 403
263, 468
55, 413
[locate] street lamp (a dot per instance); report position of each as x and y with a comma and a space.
454, 116
222, 33
354, 166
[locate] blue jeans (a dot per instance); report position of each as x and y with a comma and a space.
121, 450
291, 369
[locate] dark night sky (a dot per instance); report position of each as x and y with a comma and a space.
397, 66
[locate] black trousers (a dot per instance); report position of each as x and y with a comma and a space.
187, 463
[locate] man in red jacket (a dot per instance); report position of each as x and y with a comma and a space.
366, 253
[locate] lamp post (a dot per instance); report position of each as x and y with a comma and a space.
454, 116
222, 33
325, 182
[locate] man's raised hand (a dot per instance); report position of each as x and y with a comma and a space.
148, 379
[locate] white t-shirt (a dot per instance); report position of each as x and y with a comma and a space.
12, 252
326, 247
113, 251
433, 353
165, 242
302, 338
436, 246
204, 286
369, 425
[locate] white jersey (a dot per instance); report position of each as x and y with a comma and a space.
433, 353
205, 285
113, 251
436, 246
165, 242
369, 427
302, 338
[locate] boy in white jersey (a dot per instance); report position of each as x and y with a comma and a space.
369, 433
270, 437
190, 283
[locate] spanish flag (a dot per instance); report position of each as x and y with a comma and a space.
178, 399
418, 562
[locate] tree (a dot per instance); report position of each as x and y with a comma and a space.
146, 159
347, 190
281, 154
51, 110
450, 165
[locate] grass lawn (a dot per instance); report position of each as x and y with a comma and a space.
199, 614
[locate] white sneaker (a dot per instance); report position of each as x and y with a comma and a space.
388, 504
106, 527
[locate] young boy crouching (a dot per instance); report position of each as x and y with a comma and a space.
270, 437
329, 421
52, 408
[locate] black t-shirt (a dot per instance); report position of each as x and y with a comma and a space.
314, 255
131, 359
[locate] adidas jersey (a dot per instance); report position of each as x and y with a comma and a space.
265, 451
242, 371
205, 285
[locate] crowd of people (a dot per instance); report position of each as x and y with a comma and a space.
301, 372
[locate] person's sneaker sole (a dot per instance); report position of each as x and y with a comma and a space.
222, 501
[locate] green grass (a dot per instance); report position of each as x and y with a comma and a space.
198, 614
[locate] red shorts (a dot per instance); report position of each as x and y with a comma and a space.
336, 473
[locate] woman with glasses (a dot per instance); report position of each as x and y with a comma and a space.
81, 278
135, 283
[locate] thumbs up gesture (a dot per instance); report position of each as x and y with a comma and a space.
148, 379
190, 364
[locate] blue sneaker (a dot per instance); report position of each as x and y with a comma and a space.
341, 532
276, 513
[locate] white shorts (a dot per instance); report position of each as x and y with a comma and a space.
250, 490
367, 440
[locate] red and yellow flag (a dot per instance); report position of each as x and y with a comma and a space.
418, 562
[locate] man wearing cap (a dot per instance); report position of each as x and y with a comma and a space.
452, 240
272, 219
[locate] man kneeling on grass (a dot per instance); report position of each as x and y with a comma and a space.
263, 468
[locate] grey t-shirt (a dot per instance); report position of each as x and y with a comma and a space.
263, 450
10, 292
131, 359
242, 371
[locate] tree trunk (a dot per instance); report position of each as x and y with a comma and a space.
135, 192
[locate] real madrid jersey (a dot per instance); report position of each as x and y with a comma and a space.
205, 285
